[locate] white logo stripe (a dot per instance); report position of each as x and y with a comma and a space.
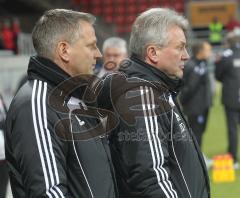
159, 143
43, 138
150, 142
54, 192
152, 130
38, 139
46, 143
165, 180
50, 141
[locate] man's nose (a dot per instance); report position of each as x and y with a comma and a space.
185, 55
98, 54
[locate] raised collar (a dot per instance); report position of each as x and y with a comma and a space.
45, 69
150, 73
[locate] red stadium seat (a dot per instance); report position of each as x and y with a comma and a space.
108, 10
179, 6
132, 9
130, 19
108, 18
108, 2
120, 9
142, 7
119, 19
96, 3
121, 29
97, 10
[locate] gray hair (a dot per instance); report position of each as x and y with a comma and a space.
115, 42
233, 38
151, 27
56, 25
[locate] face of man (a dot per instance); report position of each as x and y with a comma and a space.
206, 51
171, 58
112, 57
84, 52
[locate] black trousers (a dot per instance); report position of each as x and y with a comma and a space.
3, 179
198, 124
233, 119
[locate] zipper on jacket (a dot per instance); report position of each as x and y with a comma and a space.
75, 151
176, 156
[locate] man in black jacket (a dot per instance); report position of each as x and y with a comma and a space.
196, 96
49, 117
154, 152
228, 72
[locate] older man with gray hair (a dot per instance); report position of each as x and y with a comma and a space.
114, 51
154, 151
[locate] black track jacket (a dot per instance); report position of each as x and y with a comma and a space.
41, 123
154, 152
228, 72
196, 96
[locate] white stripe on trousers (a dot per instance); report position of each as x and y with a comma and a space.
43, 141
155, 145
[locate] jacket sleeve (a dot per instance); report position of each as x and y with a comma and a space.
38, 152
143, 145
221, 68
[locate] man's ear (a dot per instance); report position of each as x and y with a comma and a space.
63, 50
151, 54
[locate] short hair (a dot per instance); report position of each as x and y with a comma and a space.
151, 27
115, 42
197, 46
56, 25
233, 38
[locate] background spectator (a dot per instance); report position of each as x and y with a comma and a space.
1, 36
196, 95
228, 72
7, 35
114, 51
232, 23
16, 29
215, 31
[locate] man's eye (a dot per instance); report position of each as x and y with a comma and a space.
93, 47
181, 47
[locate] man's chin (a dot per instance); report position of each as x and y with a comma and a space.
179, 75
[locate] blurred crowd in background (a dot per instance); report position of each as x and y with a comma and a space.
9, 31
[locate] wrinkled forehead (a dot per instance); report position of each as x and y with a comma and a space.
87, 32
176, 35
114, 50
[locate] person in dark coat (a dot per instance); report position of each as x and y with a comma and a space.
228, 72
55, 143
196, 95
154, 152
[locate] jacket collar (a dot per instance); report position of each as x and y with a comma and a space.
45, 69
150, 73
